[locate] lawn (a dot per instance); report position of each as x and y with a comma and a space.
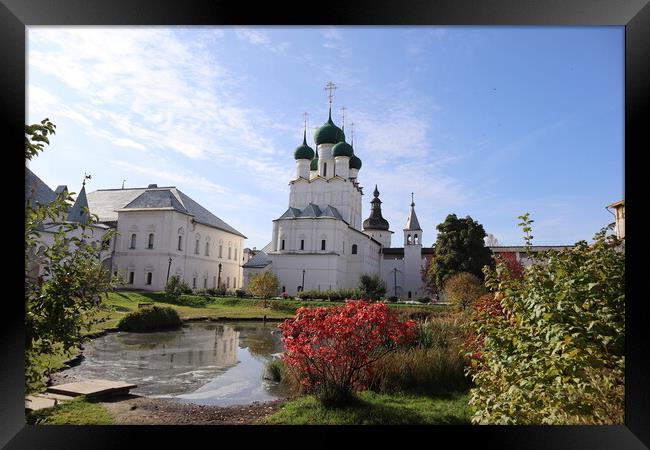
80, 411
377, 409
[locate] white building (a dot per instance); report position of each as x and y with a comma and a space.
162, 232
38, 193
320, 242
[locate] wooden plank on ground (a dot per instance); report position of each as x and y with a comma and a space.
92, 387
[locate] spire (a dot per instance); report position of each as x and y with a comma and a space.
412, 223
77, 212
376, 221
304, 137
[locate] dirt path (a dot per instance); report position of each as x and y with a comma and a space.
134, 410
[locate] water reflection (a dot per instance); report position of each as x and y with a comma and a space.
206, 363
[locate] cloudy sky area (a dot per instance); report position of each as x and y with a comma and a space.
489, 122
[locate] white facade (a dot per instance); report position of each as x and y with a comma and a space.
161, 232
196, 250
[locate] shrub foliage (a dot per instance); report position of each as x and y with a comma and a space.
549, 348
463, 288
150, 319
331, 350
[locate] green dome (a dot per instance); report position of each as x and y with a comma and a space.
328, 133
304, 151
342, 149
355, 163
314, 164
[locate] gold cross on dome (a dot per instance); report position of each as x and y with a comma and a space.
331, 87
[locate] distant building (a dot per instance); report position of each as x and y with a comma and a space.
518, 253
619, 214
162, 232
39, 193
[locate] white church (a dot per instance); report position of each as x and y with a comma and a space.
321, 242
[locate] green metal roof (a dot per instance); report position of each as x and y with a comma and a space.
328, 133
304, 151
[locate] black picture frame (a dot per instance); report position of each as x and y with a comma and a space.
634, 15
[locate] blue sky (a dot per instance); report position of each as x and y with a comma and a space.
489, 122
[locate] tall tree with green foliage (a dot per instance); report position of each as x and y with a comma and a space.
460, 247
64, 298
551, 349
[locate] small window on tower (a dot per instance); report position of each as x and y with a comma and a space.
324, 169
180, 243
322, 244
302, 244
150, 243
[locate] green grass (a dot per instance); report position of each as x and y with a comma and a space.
377, 409
80, 411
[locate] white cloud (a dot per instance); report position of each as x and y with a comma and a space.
176, 177
259, 37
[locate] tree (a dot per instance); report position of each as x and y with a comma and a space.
491, 240
331, 350
460, 247
463, 288
372, 286
65, 298
551, 349
264, 285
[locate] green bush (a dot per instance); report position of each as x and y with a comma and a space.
554, 354
331, 295
150, 319
372, 287
176, 287
240, 293
195, 301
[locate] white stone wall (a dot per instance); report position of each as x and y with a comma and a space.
199, 270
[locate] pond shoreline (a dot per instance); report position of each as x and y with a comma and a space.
66, 375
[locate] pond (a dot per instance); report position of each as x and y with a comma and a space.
205, 363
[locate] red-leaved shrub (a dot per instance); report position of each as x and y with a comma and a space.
331, 350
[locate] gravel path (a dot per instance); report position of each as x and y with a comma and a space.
134, 410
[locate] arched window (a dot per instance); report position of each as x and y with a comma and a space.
302, 244
150, 243
322, 244
324, 169
229, 252
207, 249
194, 282
235, 258
409, 294
354, 249
132, 241
415, 239
180, 243
196, 247
149, 275
282, 245
131, 277
205, 283
220, 251
408, 239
